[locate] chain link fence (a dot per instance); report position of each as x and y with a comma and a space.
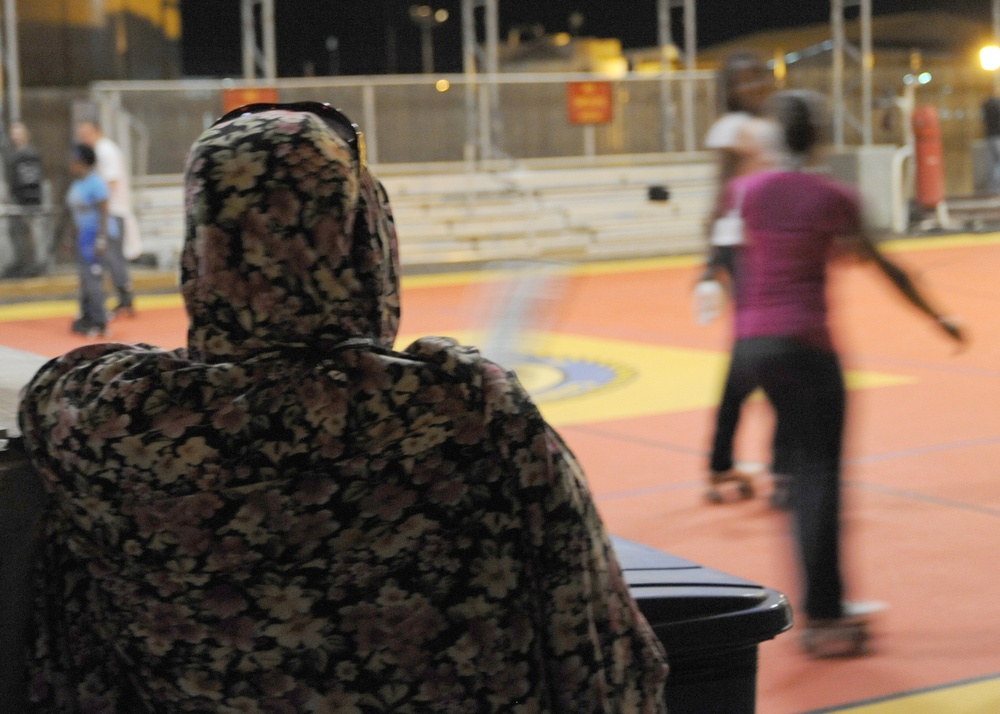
416, 119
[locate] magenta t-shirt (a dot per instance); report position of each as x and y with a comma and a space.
791, 220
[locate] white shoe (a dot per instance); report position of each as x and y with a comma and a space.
863, 608
842, 637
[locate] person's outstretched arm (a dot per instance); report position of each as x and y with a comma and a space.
865, 248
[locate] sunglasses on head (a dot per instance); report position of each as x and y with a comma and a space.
333, 118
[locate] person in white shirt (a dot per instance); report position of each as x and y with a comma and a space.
745, 142
111, 167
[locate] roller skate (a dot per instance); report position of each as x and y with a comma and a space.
845, 636
729, 485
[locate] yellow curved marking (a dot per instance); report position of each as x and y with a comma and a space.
666, 379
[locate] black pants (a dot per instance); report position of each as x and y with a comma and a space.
806, 387
993, 143
117, 266
741, 381
740, 384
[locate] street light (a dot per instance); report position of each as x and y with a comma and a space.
989, 58
427, 19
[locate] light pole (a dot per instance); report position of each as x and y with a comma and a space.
427, 19
258, 57
996, 43
12, 65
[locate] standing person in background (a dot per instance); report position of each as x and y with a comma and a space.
88, 202
797, 221
24, 184
113, 169
745, 142
991, 132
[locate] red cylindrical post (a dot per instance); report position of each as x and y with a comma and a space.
929, 156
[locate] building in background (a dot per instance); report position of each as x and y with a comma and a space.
70, 43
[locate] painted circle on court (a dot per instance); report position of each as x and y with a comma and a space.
549, 378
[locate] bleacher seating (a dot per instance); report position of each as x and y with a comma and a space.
575, 209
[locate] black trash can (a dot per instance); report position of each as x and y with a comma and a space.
22, 498
709, 622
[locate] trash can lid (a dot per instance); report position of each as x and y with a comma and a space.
691, 607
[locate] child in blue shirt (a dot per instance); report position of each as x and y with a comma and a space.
88, 202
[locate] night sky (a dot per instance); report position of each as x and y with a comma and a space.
367, 30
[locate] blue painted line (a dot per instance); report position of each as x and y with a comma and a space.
875, 488
925, 498
850, 361
931, 449
904, 695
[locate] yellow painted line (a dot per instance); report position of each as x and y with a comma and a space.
38, 310
981, 697
595, 268
41, 309
960, 240
17, 312
654, 379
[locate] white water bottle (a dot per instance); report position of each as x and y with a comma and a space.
707, 301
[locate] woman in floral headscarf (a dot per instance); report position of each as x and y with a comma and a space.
287, 515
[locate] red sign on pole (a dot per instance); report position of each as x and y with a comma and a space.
589, 102
237, 97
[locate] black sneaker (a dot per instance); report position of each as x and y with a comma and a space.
847, 636
123, 309
87, 328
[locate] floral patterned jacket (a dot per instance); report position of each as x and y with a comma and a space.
289, 516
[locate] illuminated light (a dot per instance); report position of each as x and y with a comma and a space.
924, 77
909, 79
561, 39
648, 67
989, 58
442, 85
778, 66
441, 15
613, 67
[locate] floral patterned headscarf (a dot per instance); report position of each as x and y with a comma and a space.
289, 241
288, 516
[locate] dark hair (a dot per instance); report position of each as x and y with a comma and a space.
736, 64
84, 154
802, 117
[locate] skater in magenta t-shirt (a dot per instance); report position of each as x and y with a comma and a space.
796, 221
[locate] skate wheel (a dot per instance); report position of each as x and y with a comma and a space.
845, 640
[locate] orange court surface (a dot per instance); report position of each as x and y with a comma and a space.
619, 365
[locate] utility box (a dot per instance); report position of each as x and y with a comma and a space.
710, 624
870, 169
